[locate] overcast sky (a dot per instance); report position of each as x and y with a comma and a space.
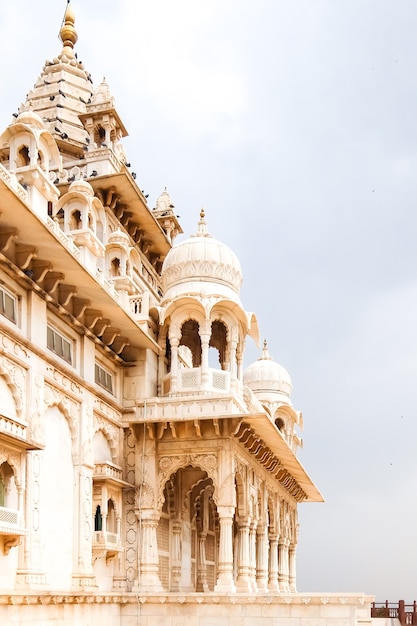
294, 124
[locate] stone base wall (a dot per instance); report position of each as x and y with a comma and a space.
207, 609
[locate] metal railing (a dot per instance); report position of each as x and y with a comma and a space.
405, 613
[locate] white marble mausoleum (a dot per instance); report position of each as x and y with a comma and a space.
142, 480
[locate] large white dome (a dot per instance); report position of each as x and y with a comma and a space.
265, 377
201, 265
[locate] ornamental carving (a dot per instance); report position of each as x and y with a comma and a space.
144, 497
37, 430
14, 347
15, 377
203, 269
106, 410
14, 461
226, 493
110, 431
168, 465
63, 381
69, 408
87, 436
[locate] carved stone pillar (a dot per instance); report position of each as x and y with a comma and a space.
148, 556
161, 367
225, 581
176, 555
205, 341
239, 361
233, 366
283, 567
252, 555
174, 342
292, 569
201, 563
262, 558
273, 563
243, 582
30, 573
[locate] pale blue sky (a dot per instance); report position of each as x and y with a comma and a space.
294, 124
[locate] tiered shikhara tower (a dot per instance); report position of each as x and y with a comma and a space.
135, 470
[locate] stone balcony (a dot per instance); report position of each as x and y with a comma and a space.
192, 398
109, 473
106, 544
11, 527
14, 431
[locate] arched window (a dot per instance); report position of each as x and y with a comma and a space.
279, 423
60, 216
218, 341
111, 517
190, 337
8, 494
75, 220
23, 157
115, 266
98, 519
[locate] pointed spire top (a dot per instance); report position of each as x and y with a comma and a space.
202, 225
265, 353
68, 34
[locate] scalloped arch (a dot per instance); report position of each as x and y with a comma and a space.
109, 438
170, 465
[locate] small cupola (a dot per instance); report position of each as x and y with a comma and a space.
203, 323
272, 386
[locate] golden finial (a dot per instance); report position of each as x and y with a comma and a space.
202, 214
68, 34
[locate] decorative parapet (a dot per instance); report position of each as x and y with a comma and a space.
63, 238
175, 409
294, 602
190, 380
99, 275
13, 184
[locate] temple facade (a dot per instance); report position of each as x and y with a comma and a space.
146, 475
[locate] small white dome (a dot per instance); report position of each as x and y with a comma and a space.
266, 377
30, 118
82, 186
201, 265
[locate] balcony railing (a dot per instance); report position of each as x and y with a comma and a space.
106, 538
9, 517
107, 470
405, 613
11, 528
106, 544
191, 380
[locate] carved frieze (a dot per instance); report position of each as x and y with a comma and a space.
63, 381
106, 410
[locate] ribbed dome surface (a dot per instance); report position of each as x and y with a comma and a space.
266, 376
201, 265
